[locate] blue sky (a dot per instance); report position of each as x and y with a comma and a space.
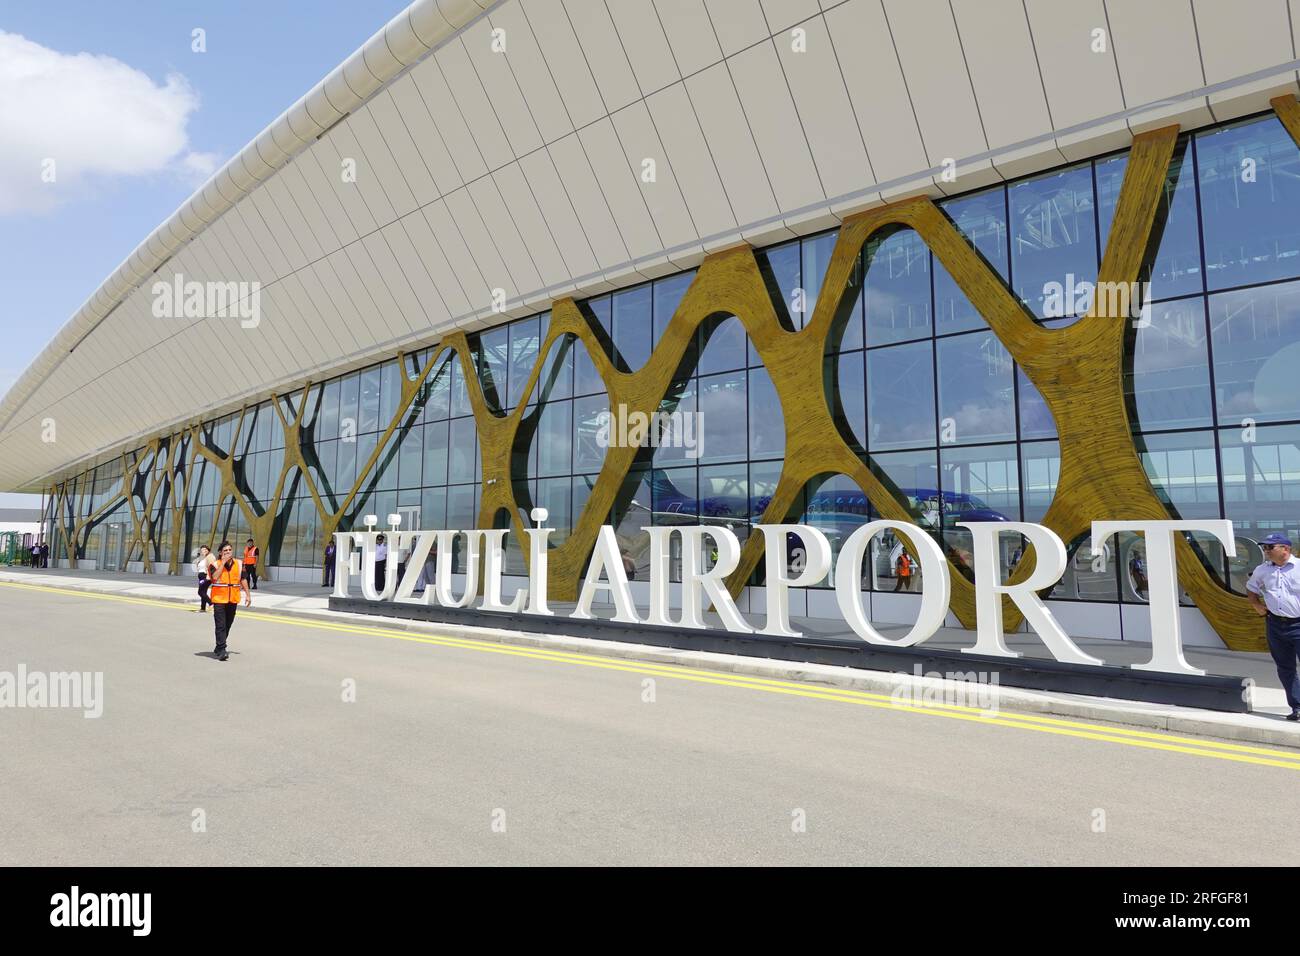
186, 113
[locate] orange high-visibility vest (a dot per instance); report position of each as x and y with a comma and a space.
225, 586
904, 566
250, 556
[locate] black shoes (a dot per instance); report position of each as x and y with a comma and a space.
222, 657
1294, 715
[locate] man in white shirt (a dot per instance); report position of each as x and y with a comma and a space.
1277, 581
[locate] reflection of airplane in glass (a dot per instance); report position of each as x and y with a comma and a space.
835, 511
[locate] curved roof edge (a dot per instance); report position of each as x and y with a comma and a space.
402, 42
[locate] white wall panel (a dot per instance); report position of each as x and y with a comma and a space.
737, 23
877, 89
603, 50
1240, 38
824, 110
1156, 49
528, 66
550, 25
397, 137
473, 104
472, 280
435, 263
636, 133
776, 126
620, 187
500, 223
646, 45
528, 219
387, 191
588, 202
731, 144
503, 92
447, 118
428, 140
693, 42
562, 219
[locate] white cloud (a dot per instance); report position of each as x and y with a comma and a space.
93, 116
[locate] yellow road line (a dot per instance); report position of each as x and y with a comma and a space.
1154, 740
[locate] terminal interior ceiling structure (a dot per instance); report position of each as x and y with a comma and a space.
438, 337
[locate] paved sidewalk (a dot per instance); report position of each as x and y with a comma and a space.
1263, 725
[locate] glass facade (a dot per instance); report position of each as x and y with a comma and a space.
919, 385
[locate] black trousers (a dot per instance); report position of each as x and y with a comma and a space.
223, 618
381, 574
204, 584
250, 572
329, 573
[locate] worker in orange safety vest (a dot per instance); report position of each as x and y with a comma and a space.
227, 583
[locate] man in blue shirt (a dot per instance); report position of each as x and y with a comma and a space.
1277, 581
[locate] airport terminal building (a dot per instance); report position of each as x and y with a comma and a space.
978, 260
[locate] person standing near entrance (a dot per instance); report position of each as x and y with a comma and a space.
330, 551
251, 554
227, 582
201, 565
1277, 581
903, 568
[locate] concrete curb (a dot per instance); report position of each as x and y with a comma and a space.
1238, 728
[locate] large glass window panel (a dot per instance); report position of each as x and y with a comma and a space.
590, 439
1255, 338
1040, 470
1053, 241
460, 404
913, 478
1250, 202
674, 496
633, 331
976, 392
439, 384
349, 408
435, 453
680, 400
896, 287
979, 484
586, 380
494, 364
390, 393
982, 220
433, 508
724, 497
1167, 378
463, 451
1184, 471
668, 293
371, 382
525, 341
462, 514
411, 458
1261, 490
900, 402
766, 420
365, 449
836, 507
327, 455
553, 495
556, 379
722, 345
345, 473
554, 439
630, 513
816, 256
850, 391
1176, 268
780, 266
723, 418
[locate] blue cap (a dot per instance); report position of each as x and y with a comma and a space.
1276, 538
